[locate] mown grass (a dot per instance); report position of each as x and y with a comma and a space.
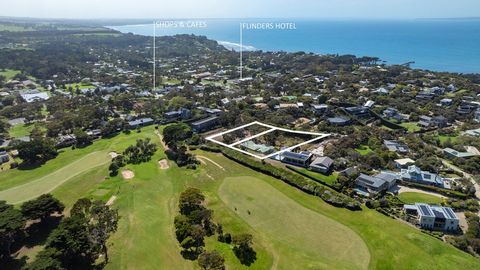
148, 204
20, 130
415, 197
411, 126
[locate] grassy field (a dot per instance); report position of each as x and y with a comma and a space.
292, 230
411, 126
444, 138
21, 130
8, 73
307, 238
364, 150
414, 197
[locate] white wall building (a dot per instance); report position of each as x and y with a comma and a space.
434, 217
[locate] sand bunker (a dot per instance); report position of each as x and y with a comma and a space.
163, 164
127, 174
113, 154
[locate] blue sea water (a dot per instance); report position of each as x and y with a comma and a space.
439, 45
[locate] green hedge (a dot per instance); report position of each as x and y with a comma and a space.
328, 195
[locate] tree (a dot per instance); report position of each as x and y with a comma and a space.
82, 137
103, 222
71, 239
41, 207
11, 223
190, 200
243, 249
174, 133
46, 259
41, 149
211, 261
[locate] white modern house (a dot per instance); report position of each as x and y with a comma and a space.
433, 217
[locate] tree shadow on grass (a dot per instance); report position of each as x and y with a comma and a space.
37, 233
191, 255
13, 263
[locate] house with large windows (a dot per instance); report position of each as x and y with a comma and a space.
433, 217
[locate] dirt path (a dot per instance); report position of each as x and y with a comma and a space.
409, 189
203, 158
161, 139
111, 200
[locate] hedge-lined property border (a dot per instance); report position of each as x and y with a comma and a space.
309, 186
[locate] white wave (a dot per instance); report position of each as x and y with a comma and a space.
236, 46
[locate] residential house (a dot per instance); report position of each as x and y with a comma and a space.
34, 95
213, 112
403, 163
205, 124
433, 217
140, 122
339, 121
321, 164
319, 109
395, 146
359, 111
415, 174
66, 140
182, 113
476, 116
473, 132
4, 157
446, 102
373, 185
260, 148
424, 96
301, 159
452, 153
429, 122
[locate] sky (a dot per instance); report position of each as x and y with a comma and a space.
364, 9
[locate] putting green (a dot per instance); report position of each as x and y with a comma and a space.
51, 181
311, 240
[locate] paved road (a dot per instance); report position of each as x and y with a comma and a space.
466, 175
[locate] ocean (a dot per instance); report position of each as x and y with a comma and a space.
451, 45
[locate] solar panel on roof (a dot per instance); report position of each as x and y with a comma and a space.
425, 210
450, 213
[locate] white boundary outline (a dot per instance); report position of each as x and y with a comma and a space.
272, 128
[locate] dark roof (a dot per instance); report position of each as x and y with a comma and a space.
323, 161
206, 120
300, 156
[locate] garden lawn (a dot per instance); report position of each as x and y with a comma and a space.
364, 150
329, 179
411, 126
415, 197
20, 130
